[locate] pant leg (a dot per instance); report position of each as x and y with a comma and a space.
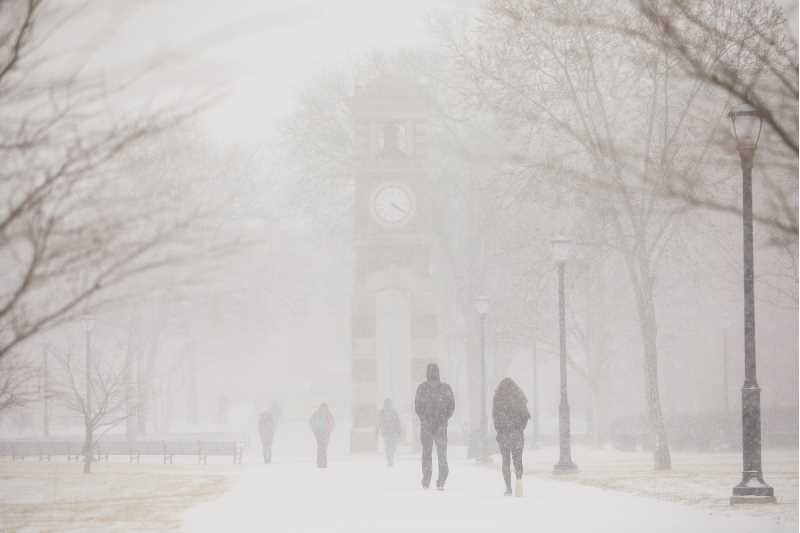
441, 454
267, 452
391, 448
505, 453
322, 444
426, 439
516, 452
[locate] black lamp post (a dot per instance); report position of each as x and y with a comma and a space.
45, 395
561, 246
747, 124
535, 397
88, 325
482, 306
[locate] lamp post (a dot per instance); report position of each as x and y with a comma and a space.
560, 247
482, 307
88, 325
45, 395
535, 397
747, 125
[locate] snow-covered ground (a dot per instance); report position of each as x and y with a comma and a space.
614, 492
703, 480
363, 495
359, 493
117, 497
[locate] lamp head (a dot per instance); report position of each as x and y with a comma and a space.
560, 246
746, 123
482, 305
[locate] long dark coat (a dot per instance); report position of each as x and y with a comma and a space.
389, 423
266, 427
322, 422
510, 413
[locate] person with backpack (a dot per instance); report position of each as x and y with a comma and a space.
390, 427
434, 405
510, 415
266, 430
322, 426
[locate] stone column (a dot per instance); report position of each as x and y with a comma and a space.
364, 374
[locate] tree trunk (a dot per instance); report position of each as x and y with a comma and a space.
648, 326
599, 414
141, 395
88, 449
193, 401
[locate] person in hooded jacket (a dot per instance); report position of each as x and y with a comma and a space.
322, 425
510, 415
390, 427
434, 405
266, 430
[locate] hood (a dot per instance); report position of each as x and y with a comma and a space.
433, 372
509, 391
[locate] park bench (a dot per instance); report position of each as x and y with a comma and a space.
218, 448
44, 450
167, 450
137, 448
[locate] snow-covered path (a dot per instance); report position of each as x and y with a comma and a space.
360, 494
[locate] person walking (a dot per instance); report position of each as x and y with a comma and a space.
510, 415
322, 425
266, 430
390, 427
434, 405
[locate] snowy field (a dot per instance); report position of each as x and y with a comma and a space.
117, 497
614, 491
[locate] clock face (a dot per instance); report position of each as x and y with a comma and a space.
393, 205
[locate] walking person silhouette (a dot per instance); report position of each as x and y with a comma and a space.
510, 415
434, 404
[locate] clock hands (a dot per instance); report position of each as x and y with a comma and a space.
399, 208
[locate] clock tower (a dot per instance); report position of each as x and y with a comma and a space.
394, 327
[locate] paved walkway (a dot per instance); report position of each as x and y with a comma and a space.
360, 494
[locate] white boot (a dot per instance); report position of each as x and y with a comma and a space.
519, 489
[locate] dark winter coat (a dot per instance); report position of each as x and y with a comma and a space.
389, 423
266, 427
434, 402
322, 422
510, 413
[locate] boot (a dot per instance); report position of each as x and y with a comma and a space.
519, 489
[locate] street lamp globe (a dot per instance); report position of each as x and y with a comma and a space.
746, 123
482, 305
560, 246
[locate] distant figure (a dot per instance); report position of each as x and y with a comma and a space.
266, 430
510, 415
390, 427
434, 404
322, 426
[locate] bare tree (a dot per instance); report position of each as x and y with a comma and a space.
76, 225
18, 382
95, 388
746, 52
590, 110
